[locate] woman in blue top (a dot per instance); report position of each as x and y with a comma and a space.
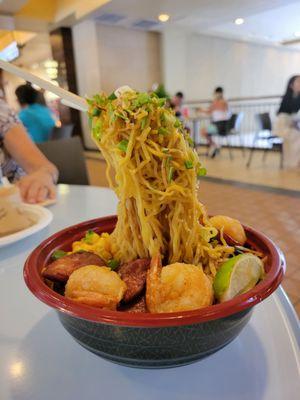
36, 118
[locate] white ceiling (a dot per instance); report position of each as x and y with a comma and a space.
269, 21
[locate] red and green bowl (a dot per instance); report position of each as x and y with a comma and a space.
150, 340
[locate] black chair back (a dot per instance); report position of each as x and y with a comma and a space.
63, 132
234, 122
68, 156
264, 121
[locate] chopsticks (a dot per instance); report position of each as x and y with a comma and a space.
68, 98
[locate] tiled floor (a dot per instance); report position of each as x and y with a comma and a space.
262, 173
276, 215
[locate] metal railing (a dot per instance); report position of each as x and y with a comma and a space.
248, 106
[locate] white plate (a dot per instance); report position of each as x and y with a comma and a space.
43, 216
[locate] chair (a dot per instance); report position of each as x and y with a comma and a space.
68, 156
233, 128
264, 135
63, 132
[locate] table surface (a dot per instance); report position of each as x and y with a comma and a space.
40, 361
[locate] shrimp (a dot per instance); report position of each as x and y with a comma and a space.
177, 287
96, 286
232, 229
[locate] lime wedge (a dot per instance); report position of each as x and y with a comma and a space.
237, 275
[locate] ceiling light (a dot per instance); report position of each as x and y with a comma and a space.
164, 17
239, 21
297, 34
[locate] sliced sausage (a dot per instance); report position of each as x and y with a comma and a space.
134, 275
61, 269
137, 306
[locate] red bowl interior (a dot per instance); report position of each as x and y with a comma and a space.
275, 268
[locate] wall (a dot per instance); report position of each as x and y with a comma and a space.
128, 57
88, 70
196, 64
107, 57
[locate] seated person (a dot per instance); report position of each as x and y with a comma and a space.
22, 162
287, 124
220, 114
36, 117
176, 103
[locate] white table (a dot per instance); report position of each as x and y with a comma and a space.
40, 361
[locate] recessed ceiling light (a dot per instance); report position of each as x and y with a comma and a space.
239, 21
297, 34
164, 17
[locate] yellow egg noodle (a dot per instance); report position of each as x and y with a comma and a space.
153, 169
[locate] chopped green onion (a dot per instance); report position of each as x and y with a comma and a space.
168, 118
57, 254
120, 115
100, 100
190, 141
111, 112
177, 123
112, 96
97, 128
188, 164
143, 98
162, 131
201, 172
165, 150
113, 264
96, 112
170, 174
143, 122
123, 145
161, 102
89, 237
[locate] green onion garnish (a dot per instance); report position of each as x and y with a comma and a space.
161, 102
120, 115
97, 128
143, 98
143, 122
177, 123
112, 96
113, 264
188, 164
162, 131
96, 112
190, 141
57, 254
165, 150
170, 174
100, 100
201, 172
89, 237
123, 145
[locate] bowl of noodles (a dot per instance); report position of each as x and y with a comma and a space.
146, 288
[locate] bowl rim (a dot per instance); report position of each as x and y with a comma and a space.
62, 304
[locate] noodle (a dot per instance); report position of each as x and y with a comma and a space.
155, 178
